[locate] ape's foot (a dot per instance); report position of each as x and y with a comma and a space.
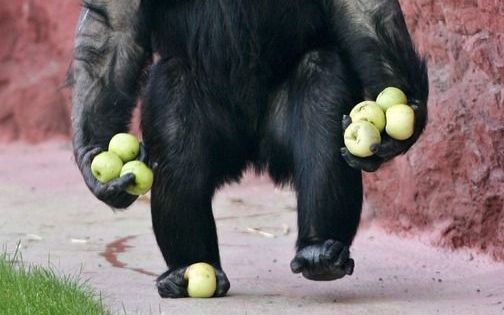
329, 260
172, 284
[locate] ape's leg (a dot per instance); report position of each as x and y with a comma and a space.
307, 133
187, 137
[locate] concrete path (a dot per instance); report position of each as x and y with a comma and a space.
45, 205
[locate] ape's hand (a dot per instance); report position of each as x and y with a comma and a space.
112, 193
369, 164
388, 148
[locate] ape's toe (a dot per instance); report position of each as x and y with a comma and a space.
172, 284
223, 284
329, 260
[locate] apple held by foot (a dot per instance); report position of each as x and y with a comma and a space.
391, 96
202, 281
143, 177
106, 166
369, 111
400, 122
125, 145
360, 136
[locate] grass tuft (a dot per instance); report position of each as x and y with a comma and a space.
33, 290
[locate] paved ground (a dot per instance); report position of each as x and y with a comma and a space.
44, 204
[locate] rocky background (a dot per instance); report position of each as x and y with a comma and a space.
451, 183
450, 186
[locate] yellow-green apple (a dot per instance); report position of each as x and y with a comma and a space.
201, 280
360, 136
106, 166
369, 111
391, 96
143, 177
400, 122
125, 145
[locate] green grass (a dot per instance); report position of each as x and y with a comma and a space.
33, 290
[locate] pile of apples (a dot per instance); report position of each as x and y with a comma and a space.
390, 113
119, 160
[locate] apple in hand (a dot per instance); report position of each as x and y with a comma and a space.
106, 166
400, 122
391, 96
369, 111
202, 281
360, 136
143, 177
125, 145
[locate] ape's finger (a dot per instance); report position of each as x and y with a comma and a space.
389, 148
346, 121
297, 264
223, 284
120, 183
331, 250
168, 288
369, 164
142, 156
348, 157
349, 267
177, 276
88, 155
343, 256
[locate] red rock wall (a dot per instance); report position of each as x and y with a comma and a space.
35, 53
451, 184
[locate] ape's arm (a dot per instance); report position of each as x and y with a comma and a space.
376, 43
111, 49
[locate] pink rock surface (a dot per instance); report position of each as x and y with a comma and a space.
34, 56
450, 185
452, 182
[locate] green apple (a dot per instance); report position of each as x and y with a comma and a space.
201, 280
106, 166
391, 96
125, 145
143, 177
400, 122
369, 111
360, 136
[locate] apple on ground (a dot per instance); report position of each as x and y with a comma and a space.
201, 280
125, 145
106, 166
369, 111
400, 122
143, 177
391, 96
360, 136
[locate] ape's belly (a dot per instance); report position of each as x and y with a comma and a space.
237, 39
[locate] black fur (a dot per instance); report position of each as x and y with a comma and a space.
263, 84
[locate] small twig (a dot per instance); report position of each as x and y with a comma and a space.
78, 241
260, 232
34, 237
286, 229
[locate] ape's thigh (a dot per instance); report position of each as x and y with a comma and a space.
303, 144
193, 147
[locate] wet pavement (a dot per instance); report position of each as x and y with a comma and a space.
46, 208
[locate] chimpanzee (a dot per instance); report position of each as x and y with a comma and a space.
265, 84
